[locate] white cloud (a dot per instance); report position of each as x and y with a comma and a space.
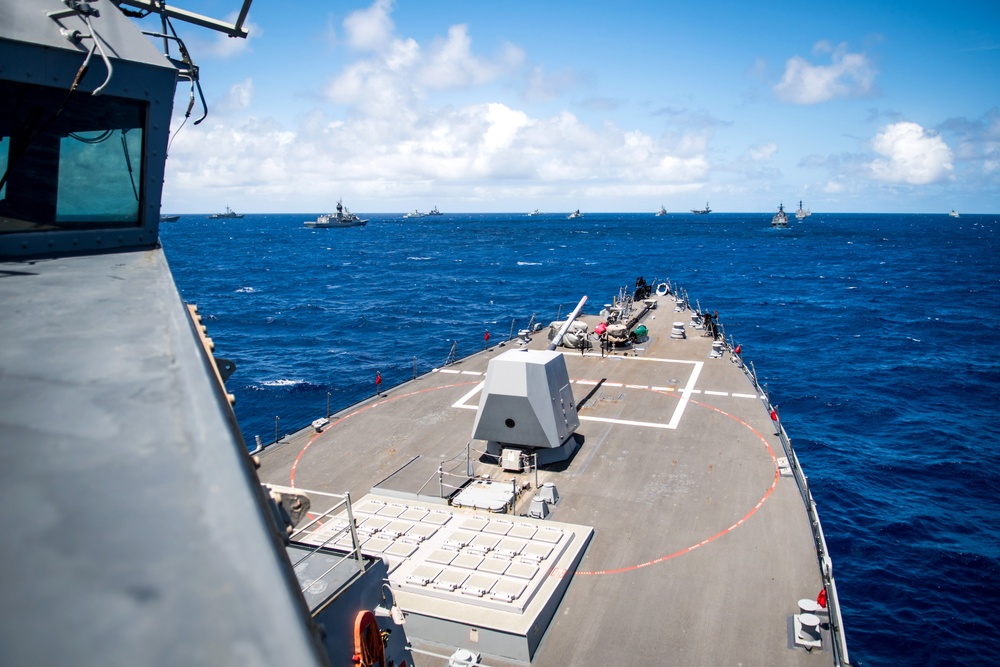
216, 157
387, 140
763, 152
976, 141
225, 47
241, 94
237, 98
382, 86
504, 124
911, 155
758, 69
489, 140
848, 75
543, 86
398, 76
371, 29
484, 148
450, 63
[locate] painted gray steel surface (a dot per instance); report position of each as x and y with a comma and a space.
701, 548
135, 529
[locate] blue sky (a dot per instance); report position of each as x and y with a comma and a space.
602, 106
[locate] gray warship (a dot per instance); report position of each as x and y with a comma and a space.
610, 487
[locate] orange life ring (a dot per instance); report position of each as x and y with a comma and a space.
368, 647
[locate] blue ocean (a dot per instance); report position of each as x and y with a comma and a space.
877, 336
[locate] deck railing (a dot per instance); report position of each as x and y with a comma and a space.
824, 561
300, 535
839, 648
825, 564
839, 641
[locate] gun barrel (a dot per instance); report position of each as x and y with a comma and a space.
565, 327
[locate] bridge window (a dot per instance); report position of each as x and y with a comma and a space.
69, 161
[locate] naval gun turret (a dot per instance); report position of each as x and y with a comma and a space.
527, 405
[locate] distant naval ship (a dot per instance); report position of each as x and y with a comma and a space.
613, 487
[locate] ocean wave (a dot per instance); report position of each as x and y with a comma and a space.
281, 383
880, 354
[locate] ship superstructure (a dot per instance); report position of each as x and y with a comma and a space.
619, 490
136, 529
621, 485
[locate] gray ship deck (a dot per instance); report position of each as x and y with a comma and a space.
700, 550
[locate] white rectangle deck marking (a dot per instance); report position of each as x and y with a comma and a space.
716, 393
675, 419
686, 394
460, 403
636, 386
445, 370
471, 373
625, 422
735, 395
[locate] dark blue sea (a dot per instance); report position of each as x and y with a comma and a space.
877, 336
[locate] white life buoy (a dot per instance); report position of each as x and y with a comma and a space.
662, 289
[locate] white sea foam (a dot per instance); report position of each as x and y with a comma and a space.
284, 382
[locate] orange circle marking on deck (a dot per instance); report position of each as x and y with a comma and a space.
774, 483
627, 568
295, 464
